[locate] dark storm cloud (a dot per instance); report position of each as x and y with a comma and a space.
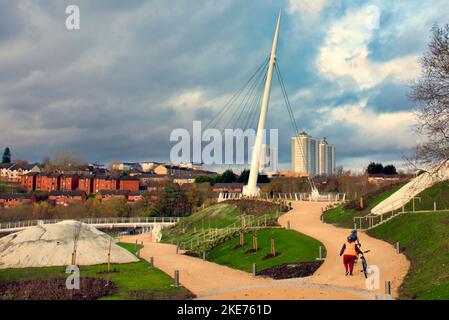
390, 97
138, 69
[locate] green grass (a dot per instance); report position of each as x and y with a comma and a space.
217, 216
292, 246
133, 280
423, 237
344, 218
438, 193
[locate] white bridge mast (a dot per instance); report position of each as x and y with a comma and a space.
251, 189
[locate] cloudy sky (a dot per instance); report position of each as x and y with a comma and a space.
136, 70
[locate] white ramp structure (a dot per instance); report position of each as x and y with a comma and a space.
413, 188
251, 189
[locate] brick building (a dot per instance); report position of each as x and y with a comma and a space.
69, 182
16, 199
29, 181
134, 196
129, 183
66, 198
48, 181
113, 194
86, 184
104, 182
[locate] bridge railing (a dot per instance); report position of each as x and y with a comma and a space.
386, 213
292, 196
94, 221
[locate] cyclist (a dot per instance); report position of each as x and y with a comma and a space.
350, 251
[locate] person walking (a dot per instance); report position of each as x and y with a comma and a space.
350, 251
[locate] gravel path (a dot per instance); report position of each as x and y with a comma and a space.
212, 281
305, 218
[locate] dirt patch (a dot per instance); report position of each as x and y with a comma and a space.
55, 289
291, 270
192, 254
161, 295
109, 272
270, 256
252, 250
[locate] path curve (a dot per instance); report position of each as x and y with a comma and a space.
306, 218
209, 280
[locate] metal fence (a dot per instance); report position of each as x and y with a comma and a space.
92, 221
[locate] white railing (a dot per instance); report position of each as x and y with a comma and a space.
387, 213
293, 196
210, 236
92, 221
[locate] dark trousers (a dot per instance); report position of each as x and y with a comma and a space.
348, 261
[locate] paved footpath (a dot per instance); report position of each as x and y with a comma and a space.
305, 218
212, 281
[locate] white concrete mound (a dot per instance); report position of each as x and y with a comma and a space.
53, 244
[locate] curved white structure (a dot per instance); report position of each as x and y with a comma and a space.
251, 189
413, 188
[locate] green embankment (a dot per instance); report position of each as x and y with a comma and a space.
424, 239
133, 280
438, 193
343, 217
218, 216
290, 246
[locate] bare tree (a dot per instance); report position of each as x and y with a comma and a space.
430, 93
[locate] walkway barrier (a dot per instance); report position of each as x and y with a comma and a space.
293, 196
97, 222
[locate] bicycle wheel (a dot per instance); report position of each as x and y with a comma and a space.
365, 267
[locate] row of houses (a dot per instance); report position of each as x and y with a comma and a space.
34, 181
66, 198
15, 171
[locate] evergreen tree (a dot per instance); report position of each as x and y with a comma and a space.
6, 156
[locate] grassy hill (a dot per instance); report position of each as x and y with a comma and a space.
424, 240
438, 193
343, 215
131, 280
216, 217
291, 247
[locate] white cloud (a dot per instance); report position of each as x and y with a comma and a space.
345, 52
306, 7
379, 131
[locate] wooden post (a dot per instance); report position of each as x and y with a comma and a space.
361, 202
255, 242
109, 255
152, 262
273, 250
388, 287
176, 279
254, 269
242, 239
435, 206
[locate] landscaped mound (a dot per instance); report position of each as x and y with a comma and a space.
423, 238
343, 215
291, 270
53, 245
291, 247
438, 193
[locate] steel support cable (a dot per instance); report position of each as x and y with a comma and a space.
252, 115
224, 109
254, 105
289, 109
243, 106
